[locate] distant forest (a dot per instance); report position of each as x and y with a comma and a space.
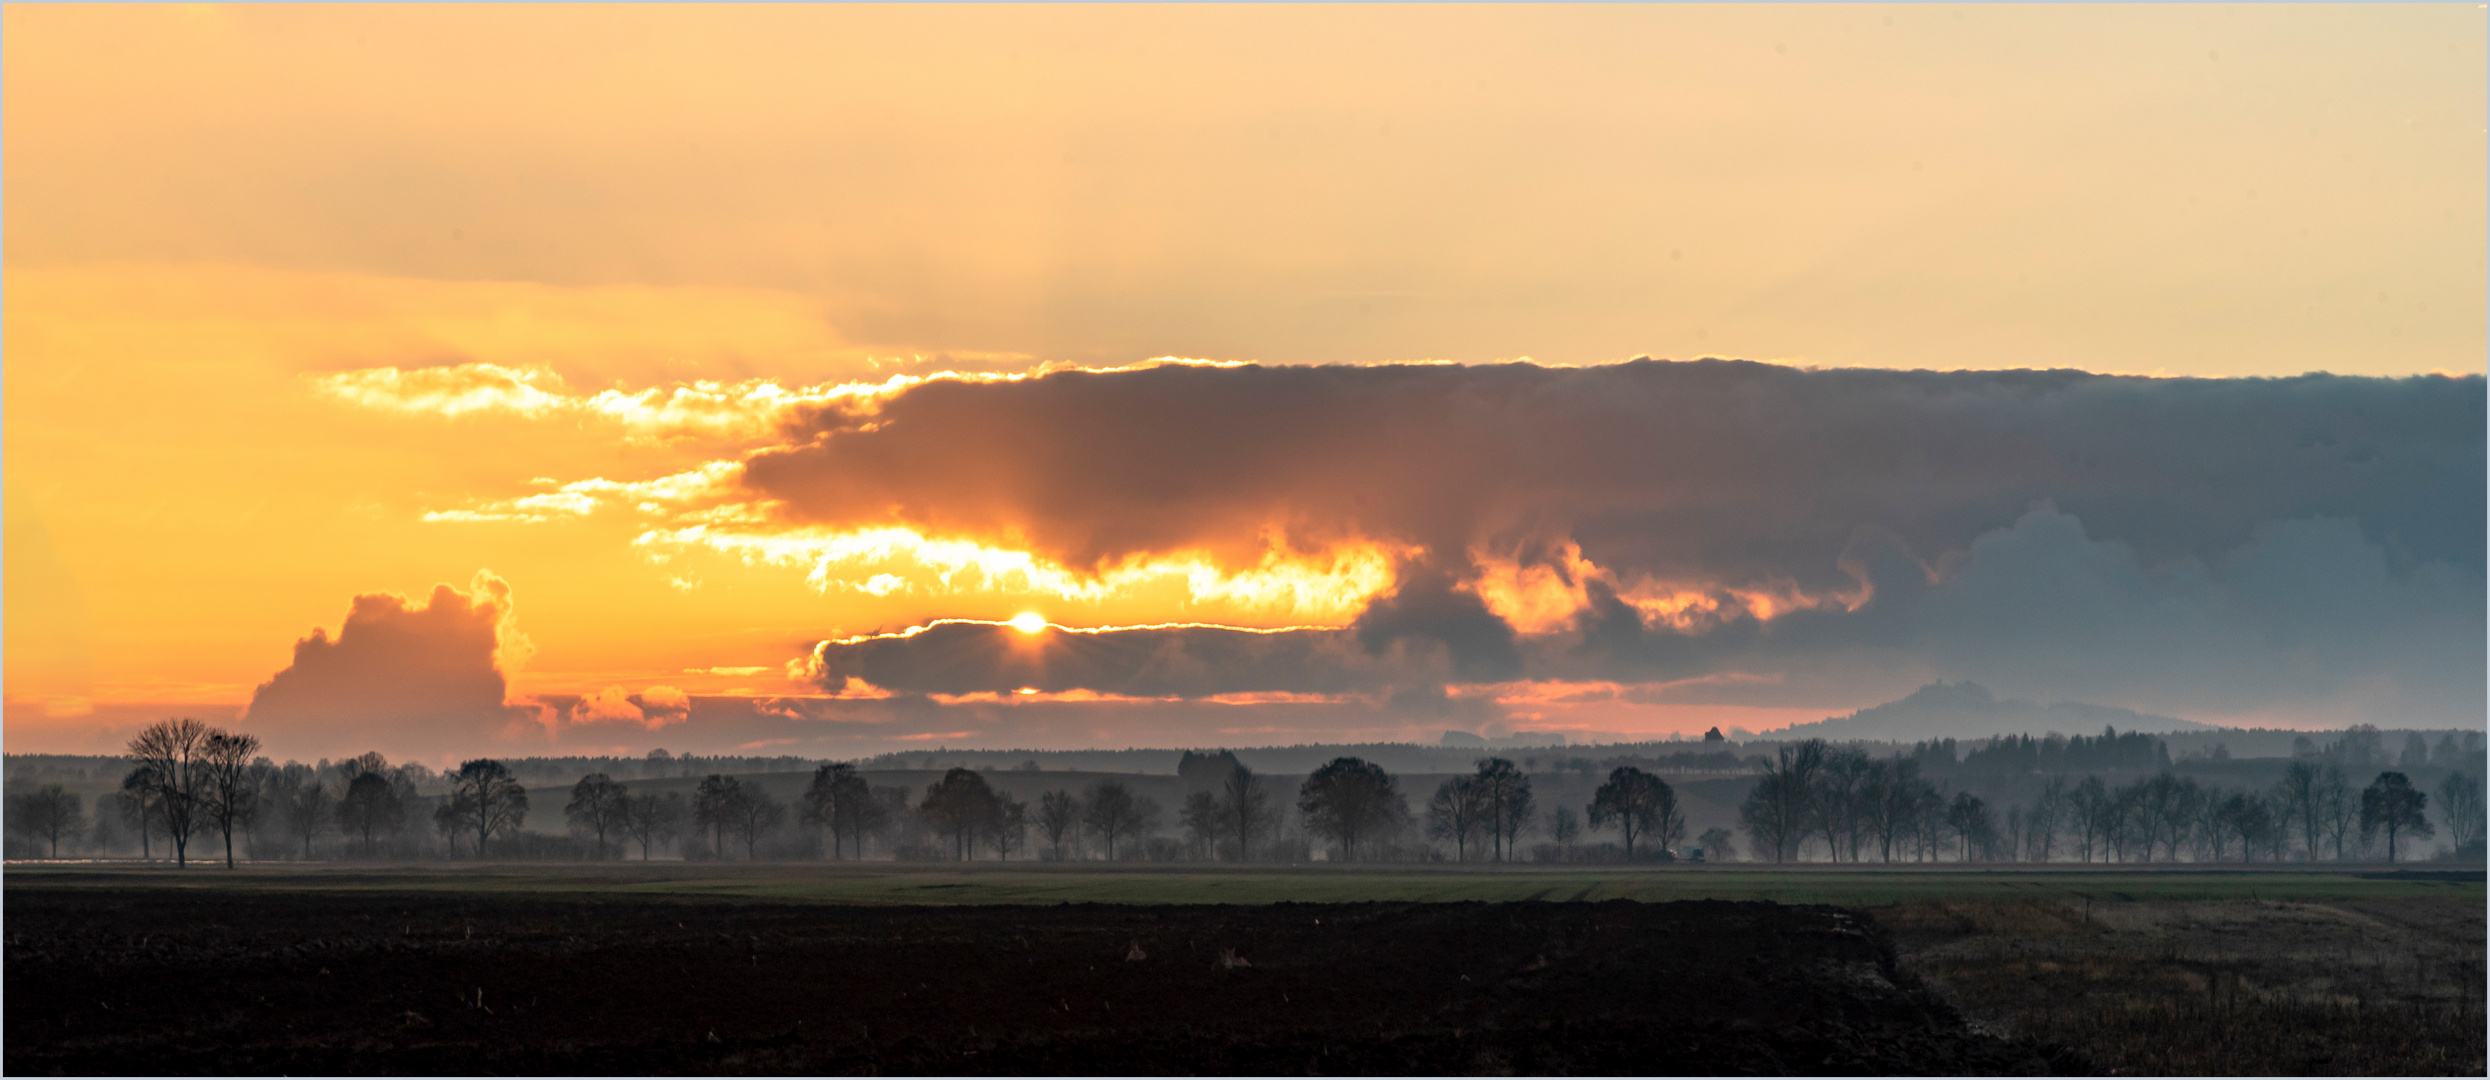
2362, 794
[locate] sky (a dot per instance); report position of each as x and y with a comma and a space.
458, 380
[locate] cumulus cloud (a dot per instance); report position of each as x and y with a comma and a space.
395, 663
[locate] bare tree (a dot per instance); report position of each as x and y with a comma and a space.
371, 805
2040, 825
1505, 793
2391, 804
141, 803
1058, 816
167, 755
1719, 844
1778, 810
1245, 808
2088, 805
649, 819
840, 800
307, 812
1348, 799
226, 796
2460, 803
714, 806
488, 798
1968, 817
1457, 812
451, 819
1114, 812
1009, 829
2300, 803
596, 806
1639, 803
1842, 789
1201, 821
1564, 828
2338, 808
963, 806
753, 816
46, 813
1889, 799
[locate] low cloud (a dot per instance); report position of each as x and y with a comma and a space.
966, 657
396, 664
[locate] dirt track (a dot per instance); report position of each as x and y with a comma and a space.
179, 982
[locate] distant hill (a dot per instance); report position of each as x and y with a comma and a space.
1966, 710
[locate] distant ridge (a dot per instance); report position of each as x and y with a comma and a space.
1966, 710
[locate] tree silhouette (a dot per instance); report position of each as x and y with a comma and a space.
1058, 815
839, 800
753, 816
1348, 799
1718, 845
225, 794
2391, 803
487, 797
1456, 812
47, 812
649, 819
961, 805
1968, 816
1505, 792
1113, 812
1565, 828
2301, 806
1638, 803
596, 806
141, 801
370, 805
307, 811
1244, 806
715, 804
166, 754
1778, 809
1009, 830
2460, 803
1201, 821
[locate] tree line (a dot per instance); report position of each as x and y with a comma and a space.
1811, 800
1842, 803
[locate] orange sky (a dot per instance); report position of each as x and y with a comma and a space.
304, 303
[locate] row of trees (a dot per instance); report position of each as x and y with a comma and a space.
1812, 800
1852, 807
188, 778
1489, 811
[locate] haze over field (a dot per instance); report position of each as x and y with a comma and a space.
827, 381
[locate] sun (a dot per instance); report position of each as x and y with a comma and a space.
1028, 622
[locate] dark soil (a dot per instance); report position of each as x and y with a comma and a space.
149, 982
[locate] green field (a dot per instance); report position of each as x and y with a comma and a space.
1047, 883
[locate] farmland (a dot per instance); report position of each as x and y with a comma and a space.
672, 966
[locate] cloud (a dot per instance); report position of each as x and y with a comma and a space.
2308, 618
1712, 472
2310, 547
960, 656
442, 664
711, 409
